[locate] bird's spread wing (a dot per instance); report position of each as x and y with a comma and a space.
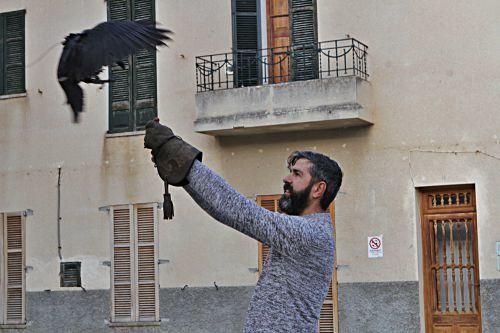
109, 42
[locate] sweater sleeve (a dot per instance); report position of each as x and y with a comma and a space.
287, 234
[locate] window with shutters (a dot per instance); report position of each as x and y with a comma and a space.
12, 56
246, 41
132, 94
134, 264
292, 41
328, 319
304, 39
12, 273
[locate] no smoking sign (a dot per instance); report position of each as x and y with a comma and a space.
375, 247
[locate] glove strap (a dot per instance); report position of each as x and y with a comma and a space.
168, 205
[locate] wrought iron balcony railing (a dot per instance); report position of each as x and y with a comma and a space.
243, 68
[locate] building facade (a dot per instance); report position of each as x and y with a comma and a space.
402, 94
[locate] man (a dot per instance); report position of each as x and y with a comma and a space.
296, 276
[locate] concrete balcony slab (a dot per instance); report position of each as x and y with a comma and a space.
293, 106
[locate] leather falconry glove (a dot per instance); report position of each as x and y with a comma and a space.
173, 158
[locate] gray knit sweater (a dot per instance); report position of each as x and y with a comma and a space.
296, 275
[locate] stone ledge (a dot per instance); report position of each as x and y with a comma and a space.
13, 96
294, 106
122, 134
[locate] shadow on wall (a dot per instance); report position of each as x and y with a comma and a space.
291, 138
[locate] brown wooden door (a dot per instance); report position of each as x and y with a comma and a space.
278, 40
450, 260
328, 319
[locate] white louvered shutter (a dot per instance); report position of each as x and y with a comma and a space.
147, 263
328, 319
269, 202
122, 284
13, 260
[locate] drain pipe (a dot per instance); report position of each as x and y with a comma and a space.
59, 213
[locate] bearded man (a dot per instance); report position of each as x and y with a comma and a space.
297, 273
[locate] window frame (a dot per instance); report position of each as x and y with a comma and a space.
133, 80
4, 94
135, 280
237, 57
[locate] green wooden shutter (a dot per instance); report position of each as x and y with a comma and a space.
245, 42
120, 90
133, 93
2, 42
304, 33
144, 10
13, 53
144, 88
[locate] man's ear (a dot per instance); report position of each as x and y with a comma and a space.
318, 189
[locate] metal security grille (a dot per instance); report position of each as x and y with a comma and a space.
451, 272
453, 265
70, 274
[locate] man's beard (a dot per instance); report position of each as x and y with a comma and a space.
295, 202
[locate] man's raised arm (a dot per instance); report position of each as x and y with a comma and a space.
177, 161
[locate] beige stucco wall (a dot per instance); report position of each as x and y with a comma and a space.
435, 75
37, 136
435, 82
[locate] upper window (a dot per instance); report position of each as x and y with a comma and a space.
132, 94
289, 52
12, 66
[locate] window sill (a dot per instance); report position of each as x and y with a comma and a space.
13, 326
135, 324
13, 96
122, 134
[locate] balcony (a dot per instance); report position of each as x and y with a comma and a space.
293, 88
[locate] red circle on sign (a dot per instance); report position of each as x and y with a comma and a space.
375, 243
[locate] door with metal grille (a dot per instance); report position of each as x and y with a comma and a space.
450, 257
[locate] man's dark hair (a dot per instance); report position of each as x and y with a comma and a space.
324, 169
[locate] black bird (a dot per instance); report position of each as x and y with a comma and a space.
84, 54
